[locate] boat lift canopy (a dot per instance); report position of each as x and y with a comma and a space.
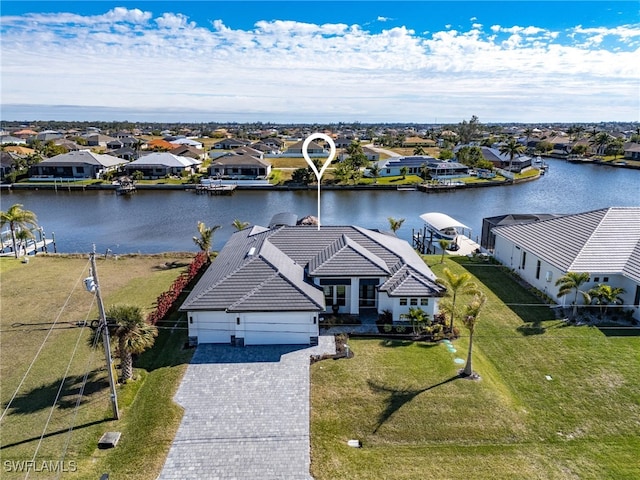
442, 221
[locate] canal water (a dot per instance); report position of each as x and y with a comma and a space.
160, 221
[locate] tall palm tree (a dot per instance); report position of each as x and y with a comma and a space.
470, 319
375, 172
395, 224
133, 334
443, 243
404, 171
205, 241
511, 148
572, 281
600, 141
418, 150
18, 219
239, 225
457, 285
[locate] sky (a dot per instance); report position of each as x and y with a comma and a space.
320, 61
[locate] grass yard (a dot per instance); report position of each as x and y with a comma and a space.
417, 419
50, 289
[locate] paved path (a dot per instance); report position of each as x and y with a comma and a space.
246, 414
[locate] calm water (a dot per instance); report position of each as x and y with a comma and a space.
152, 222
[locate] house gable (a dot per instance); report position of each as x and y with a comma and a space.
346, 255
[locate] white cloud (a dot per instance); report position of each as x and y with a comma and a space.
383, 19
131, 59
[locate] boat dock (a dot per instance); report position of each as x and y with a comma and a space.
439, 226
27, 247
212, 189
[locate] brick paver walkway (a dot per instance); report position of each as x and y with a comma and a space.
246, 414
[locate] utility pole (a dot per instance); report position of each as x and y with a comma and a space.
105, 334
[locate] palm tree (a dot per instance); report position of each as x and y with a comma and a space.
133, 334
375, 172
457, 285
444, 243
470, 319
18, 219
605, 295
395, 224
206, 238
511, 148
404, 171
600, 141
239, 225
572, 281
418, 150
22, 236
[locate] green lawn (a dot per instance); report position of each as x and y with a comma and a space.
417, 419
50, 289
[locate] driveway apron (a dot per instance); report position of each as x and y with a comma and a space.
246, 414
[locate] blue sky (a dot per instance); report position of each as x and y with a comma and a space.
293, 61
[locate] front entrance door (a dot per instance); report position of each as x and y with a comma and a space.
367, 295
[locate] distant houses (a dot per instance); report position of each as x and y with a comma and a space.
414, 165
82, 164
161, 164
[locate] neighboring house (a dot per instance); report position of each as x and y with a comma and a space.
275, 143
270, 285
48, 135
187, 151
8, 162
632, 151
240, 166
70, 145
343, 142
5, 139
160, 164
159, 144
438, 169
80, 164
488, 238
230, 144
500, 160
312, 148
126, 153
98, 140
604, 243
188, 142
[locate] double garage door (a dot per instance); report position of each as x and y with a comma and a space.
258, 329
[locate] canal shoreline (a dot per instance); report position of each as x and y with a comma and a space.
192, 187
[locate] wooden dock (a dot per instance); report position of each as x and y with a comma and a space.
212, 189
28, 247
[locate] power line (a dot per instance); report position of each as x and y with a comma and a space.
76, 409
55, 401
42, 345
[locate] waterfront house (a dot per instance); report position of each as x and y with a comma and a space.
161, 164
438, 169
241, 165
271, 285
604, 243
77, 165
501, 160
632, 151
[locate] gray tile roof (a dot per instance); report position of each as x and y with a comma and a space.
85, 157
599, 241
263, 269
345, 255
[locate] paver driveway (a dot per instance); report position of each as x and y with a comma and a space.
246, 414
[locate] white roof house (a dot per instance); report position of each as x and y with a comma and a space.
604, 243
159, 164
